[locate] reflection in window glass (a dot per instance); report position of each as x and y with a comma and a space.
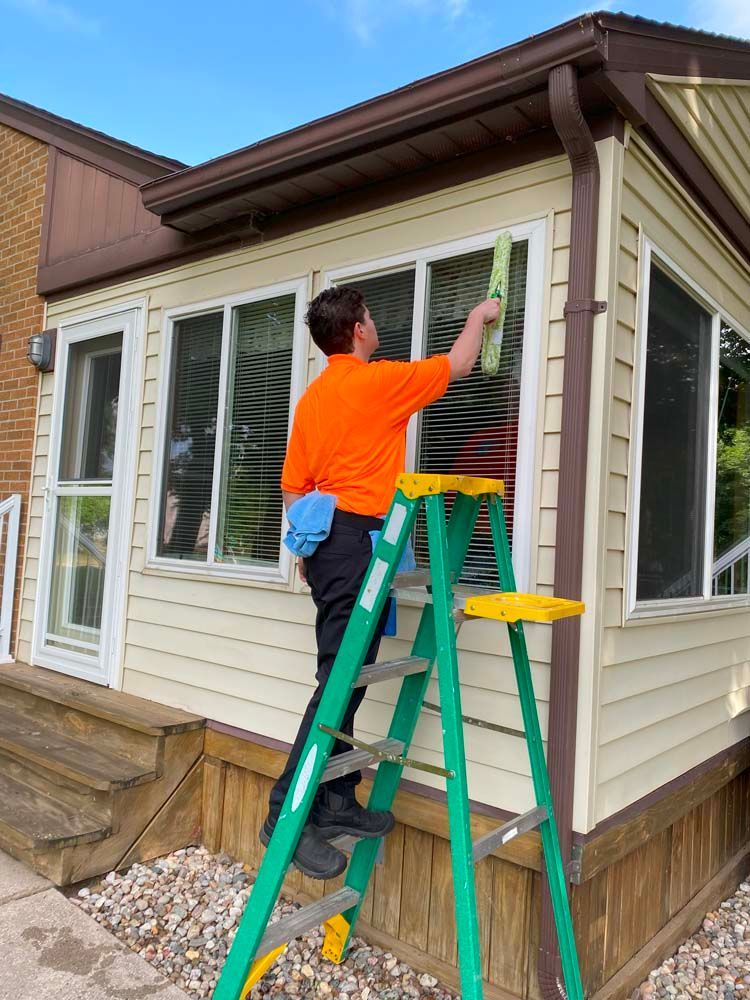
732, 498
675, 421
91, 400
79, 562
191, 441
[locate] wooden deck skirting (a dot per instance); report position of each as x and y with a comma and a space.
643, 880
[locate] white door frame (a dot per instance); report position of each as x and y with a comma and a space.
128, 318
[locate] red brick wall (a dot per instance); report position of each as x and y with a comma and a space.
23, 168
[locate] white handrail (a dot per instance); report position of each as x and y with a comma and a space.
727, 562
731, 556
10, 517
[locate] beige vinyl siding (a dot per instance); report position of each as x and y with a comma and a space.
244, 653
671, 690
715, 117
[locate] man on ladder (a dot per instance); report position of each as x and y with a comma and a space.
348, 441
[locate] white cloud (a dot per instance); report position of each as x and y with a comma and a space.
365, 18
55, 15
727, 17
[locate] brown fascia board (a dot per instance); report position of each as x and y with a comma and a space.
421, 105
163, 248
638, 45
113, 155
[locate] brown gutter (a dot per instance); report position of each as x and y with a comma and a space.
580, 308
435, 99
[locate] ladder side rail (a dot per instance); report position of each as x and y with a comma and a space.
459, 821
409, 705
283, 843
553, 861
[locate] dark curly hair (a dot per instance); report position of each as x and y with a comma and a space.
332, 316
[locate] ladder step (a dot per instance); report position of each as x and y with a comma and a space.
411, 578
373, 672
347, 843
508, 831
355, 760
307, 918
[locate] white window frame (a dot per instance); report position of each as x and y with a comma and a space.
535, 231
282, 572
634, 609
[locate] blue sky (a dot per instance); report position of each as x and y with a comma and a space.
193, 79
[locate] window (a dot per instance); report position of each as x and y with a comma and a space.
693, 504
232, 387
474, 428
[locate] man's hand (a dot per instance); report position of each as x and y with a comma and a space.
489, 311
301, 569
465, 351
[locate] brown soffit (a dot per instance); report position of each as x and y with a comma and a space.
118, 157
448, 96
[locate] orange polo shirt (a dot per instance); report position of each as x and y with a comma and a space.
349, 432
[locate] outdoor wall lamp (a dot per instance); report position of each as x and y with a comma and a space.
41, 352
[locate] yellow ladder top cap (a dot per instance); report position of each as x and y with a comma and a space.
416, 484
512, 607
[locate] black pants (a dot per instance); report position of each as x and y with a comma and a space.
335, 573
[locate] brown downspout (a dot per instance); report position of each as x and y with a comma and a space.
578, 142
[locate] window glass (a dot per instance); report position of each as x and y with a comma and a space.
390, 299
191, 438
473, 429
90, 420
732, 497
675, 421
250, 512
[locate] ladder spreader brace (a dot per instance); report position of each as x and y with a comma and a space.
257, 943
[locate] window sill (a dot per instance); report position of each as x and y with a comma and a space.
673, 611
250, 577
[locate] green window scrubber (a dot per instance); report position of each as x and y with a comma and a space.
492, 339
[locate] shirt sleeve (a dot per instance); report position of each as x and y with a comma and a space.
296, 476
407, 386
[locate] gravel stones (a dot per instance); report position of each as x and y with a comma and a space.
713, 964
181, 912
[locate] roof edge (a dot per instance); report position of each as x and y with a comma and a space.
116, 155
427, 100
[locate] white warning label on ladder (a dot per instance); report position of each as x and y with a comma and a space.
373, 585
395, 523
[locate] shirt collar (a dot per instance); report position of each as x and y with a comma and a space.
337, 359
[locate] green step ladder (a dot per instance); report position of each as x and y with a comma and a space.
257, 943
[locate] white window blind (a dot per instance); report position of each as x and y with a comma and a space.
255, 438
191, 438
227, 416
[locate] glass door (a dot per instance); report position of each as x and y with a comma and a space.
84, 501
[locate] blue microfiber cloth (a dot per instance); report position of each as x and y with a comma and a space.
406, 565
310, 520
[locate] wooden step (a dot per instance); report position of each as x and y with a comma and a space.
31, 820
127, 710
82, 762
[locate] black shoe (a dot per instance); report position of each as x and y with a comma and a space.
336, 814
314, 855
